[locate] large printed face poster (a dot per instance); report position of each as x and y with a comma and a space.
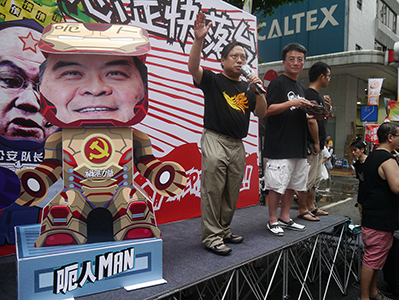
23, 129
174, 121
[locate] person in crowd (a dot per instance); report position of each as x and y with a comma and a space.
327, 162
286, 169
319, 77
358, 150
329, 141
228, 103
325, 173
379, 209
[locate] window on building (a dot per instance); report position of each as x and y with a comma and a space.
357, 47
359, 4
386, 15
379, 46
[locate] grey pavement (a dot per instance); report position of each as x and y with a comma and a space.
341, 198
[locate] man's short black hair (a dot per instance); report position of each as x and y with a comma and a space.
293, 46
386, 129
317, 69
226, 50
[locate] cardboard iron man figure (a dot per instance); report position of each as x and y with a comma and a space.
94, 87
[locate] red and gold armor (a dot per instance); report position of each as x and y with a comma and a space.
95, 160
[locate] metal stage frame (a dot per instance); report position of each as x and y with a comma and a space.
304, 256
306, 261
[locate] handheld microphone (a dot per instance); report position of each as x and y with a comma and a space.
247, 72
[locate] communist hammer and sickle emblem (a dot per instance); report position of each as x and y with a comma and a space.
103, 152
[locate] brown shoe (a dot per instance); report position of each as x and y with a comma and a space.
234, 239
220, 249
379, 296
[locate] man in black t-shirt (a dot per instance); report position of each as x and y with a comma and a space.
228, 103
319, 77
285, 140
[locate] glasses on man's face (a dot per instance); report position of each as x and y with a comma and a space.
236, 57
300, 60
12, 81
328, 76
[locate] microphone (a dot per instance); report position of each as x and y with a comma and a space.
247, 72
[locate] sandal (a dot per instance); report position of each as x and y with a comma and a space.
308, 216
319, 212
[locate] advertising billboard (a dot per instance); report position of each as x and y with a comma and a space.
317, 25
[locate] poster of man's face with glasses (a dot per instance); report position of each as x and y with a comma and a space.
20, 58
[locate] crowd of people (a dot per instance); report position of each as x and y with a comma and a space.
294, 165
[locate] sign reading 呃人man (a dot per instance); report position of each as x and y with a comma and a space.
174, 119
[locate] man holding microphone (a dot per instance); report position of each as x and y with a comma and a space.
228, 103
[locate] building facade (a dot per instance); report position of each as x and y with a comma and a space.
352, 36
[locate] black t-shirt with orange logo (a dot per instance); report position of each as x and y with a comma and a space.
228, 104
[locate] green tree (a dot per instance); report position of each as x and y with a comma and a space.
263, 8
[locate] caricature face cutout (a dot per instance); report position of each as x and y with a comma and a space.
93, 87
82, 86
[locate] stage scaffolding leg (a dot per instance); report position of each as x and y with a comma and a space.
228, 284
249, 274
253, 286
274, 274
248, 279
355, 250
211, 286
307, 271
332, 266
320, 269
265, 275
237, 284
285, 275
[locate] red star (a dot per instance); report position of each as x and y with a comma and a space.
29, 42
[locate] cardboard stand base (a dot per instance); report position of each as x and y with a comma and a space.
65, 272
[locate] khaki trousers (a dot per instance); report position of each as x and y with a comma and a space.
223, 166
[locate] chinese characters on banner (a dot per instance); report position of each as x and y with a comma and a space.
374, 88
174, 121
371, 134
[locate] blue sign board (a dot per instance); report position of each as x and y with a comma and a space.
369, 113
317, 25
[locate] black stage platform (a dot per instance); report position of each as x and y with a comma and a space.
187, 263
